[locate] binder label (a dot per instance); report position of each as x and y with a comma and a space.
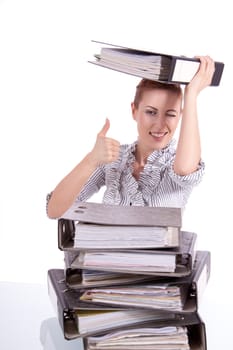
184, 70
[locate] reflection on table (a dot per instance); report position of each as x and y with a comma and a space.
28, 320
52, 338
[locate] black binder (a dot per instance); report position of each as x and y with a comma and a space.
109, 214
195, 326
68, 308
163, 68
184, 254
121, 224
191, 288
75, 278
103, 214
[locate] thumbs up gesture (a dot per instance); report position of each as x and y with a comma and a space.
105, 150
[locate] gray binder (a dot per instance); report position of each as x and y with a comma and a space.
67, 306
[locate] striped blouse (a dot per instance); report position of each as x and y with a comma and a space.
158, 185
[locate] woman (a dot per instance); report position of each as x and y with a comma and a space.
150, 172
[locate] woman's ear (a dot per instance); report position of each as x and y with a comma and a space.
133, 110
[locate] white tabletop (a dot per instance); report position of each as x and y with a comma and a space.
28, 321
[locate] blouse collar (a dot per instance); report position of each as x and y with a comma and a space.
155, 154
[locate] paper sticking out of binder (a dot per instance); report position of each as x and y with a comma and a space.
104, 226
152, 337
174, 262
79, 320
151, 65
120, 255
82, 278
180, 295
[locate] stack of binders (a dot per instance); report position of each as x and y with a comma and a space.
133, 279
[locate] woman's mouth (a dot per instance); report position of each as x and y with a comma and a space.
158, 135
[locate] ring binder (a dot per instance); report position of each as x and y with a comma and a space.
151, 65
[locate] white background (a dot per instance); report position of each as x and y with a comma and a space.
53, 102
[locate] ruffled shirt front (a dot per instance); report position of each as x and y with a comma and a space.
158, 184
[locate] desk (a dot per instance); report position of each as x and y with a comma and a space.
28, 321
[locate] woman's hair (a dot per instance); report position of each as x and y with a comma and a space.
146, 84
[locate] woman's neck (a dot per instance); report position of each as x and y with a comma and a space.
141, 156
140, 161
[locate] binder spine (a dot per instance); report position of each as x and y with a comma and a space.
197, 336
196, 329
219, 66
66, 231
73, 278
66, 317
217, 74
70, 325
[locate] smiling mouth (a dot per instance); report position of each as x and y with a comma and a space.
158, 134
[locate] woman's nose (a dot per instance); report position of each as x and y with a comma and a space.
159, 121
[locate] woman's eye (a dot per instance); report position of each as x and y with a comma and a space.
171, 115
151, 112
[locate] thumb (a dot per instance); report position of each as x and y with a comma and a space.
105, 128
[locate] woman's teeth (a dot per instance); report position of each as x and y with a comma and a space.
157, 134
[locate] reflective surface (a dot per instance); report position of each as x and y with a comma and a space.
28, 321
51, 337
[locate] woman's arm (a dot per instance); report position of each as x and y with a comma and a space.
188, 153
106, 150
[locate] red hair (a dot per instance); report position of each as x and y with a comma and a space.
146, 84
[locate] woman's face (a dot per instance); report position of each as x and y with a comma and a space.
157, 117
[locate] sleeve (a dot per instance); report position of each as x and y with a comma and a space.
47, 201
191, 179
93, 185
95, 182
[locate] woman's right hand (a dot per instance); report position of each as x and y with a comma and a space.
105, 150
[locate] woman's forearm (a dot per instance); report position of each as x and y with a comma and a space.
189, 145
69, 188
106, 150
188, 151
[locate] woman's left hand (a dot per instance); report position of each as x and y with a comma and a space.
204, 75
